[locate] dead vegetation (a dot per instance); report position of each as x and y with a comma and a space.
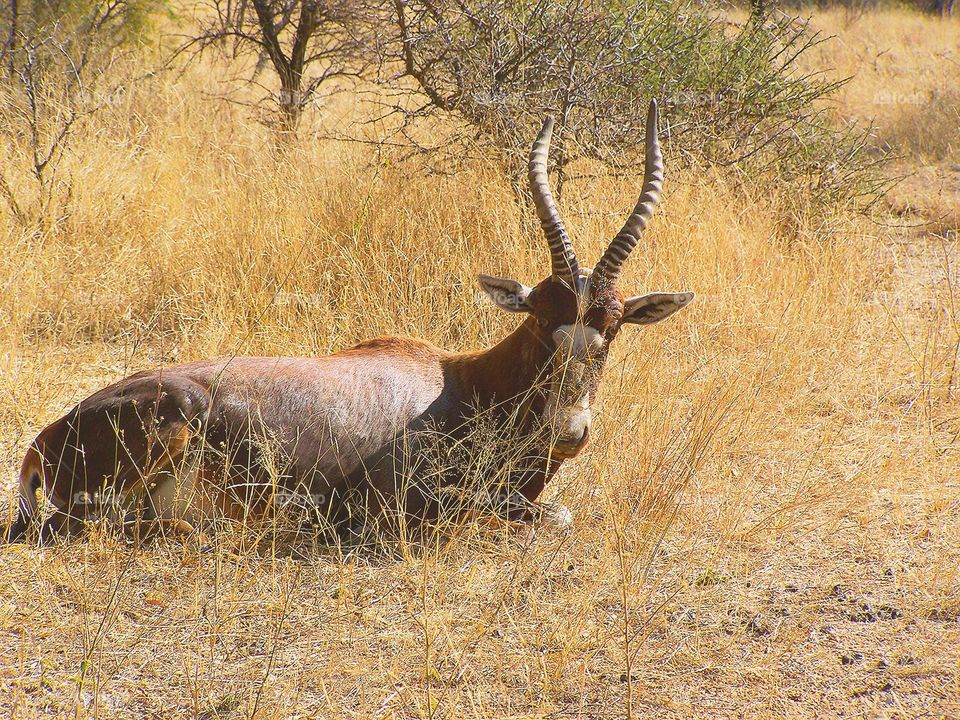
767, 522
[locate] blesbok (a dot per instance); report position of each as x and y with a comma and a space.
356, 433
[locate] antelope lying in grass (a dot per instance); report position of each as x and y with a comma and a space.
352, 432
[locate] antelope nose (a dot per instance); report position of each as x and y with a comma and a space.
581, 443
572, 444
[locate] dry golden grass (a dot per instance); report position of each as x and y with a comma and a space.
767, 523
906, 82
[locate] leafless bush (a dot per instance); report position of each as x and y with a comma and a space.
732, 93
307, 44
58, 72
943, 8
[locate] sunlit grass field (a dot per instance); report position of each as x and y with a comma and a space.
767, 522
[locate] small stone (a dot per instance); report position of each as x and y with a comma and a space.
863, 614
687, 616
757, 628
888, 612
853, 658
839, 591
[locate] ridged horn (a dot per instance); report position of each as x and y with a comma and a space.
608, 269
562, 258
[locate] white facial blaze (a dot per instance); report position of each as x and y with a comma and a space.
577, 341
568, 402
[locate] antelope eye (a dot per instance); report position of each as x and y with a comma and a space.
542, 321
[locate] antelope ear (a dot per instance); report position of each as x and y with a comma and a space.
507, 294
654, 307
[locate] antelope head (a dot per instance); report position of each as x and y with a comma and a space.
577, 312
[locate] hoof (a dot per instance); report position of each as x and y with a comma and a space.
553, 516
548, 517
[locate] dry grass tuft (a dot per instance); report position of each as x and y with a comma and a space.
767, 523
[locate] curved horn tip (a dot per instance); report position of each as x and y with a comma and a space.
541, 146
546, 130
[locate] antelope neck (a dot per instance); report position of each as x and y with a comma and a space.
508, 369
